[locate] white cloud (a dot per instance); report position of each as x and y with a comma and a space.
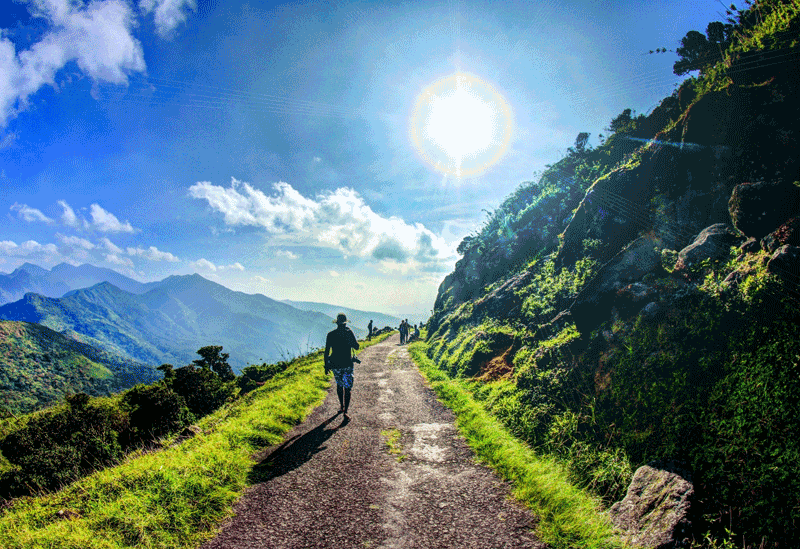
29, 214
26, 249
110, 246
117, 260
153, 254
107, 222
75, 242
96, 36
286, 253
205, 265
340, 220
69, 217
168, 13
333, 273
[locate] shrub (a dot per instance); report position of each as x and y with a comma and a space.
155, 411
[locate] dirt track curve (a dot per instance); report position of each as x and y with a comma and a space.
333, 482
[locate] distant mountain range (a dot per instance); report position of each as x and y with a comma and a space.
357, 320
171, 321
39, 366
61, 279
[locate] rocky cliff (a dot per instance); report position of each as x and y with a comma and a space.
638, 302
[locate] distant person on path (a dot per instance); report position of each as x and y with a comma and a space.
402, 331
339, 359
369, 331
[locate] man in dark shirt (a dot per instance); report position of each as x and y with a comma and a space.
338, 358
369, 331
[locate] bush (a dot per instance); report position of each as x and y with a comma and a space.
58, 446
155, 411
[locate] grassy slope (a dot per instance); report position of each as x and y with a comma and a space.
176, 497
569, 517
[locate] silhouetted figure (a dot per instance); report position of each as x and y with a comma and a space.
403, 331
339, 359
369, 331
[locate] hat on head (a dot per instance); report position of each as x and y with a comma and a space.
341, 318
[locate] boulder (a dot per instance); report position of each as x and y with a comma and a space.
788, 233
757, 209
713, 242
655, 511
632, 297
504, 300
750, 246
785, 263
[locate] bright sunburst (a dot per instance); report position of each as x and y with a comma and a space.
461, 125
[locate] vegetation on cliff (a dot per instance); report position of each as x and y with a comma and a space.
638, 302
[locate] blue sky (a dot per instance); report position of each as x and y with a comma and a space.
267, 146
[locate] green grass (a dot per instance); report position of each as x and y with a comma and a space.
176, 497
568, 517
392, 437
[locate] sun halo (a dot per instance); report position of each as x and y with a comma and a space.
460, 125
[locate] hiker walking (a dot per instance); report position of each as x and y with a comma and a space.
402, 332
338, 358
369, 331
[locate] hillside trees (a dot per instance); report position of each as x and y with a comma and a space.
66, 442
698, 51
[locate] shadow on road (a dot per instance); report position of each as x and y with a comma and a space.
295, 451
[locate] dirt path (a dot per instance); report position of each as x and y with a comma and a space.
334, 483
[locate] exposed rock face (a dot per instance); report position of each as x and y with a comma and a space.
655, 511
713, 242
788, 233
594, 302
504, 300
785, 263
757, 209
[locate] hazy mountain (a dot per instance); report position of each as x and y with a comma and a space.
61, 279
39, 366
171, 321
357, 320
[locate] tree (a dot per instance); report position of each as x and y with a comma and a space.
580, 141
621, 122
698, 51
216, 360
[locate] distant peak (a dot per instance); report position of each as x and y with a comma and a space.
31, 268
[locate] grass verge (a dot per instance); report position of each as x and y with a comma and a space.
569, 518
173, 498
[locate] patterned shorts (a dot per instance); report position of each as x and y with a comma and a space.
343, 377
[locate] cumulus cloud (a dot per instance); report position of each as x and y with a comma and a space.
153, 254
286, 253
27, 213
26, 249
96, 36
168, 14
69, 217
340, 219
107, 222
204, 264
101, 220
110, 246
117, 260
75, 242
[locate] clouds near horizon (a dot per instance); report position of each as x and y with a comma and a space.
338, 219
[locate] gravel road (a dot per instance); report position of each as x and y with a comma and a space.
335, 483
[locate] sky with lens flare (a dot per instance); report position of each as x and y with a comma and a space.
315, 151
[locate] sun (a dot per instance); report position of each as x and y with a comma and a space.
461, 125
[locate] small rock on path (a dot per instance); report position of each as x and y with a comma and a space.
334, 482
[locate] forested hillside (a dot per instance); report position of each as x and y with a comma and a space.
638, 303
38, 367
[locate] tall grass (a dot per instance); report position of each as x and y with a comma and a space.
569, 518
174, 498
